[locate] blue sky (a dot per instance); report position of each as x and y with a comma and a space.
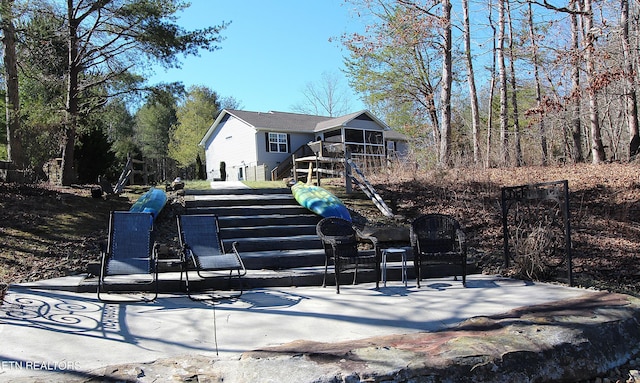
273, 48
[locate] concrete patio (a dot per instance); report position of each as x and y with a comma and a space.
57, 335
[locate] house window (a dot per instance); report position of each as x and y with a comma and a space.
277, 143
369, 143
354, 136
373, 137
333, 136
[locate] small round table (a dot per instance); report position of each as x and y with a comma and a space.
394, 251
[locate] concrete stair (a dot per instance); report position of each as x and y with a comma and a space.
272, 231
275, 236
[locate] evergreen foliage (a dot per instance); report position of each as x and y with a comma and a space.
195, 116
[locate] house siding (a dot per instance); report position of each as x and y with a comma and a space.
365, 125
271, 160
234, 143
239, 138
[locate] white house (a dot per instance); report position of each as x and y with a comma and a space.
245, 141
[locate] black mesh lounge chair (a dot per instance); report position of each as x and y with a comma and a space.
340, 242
203, 251
438, 239
130, 258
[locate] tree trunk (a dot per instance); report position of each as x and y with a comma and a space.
544, 150
631, 98
435, 123
597, 149
445, 94
576, 125
73, 70
504, 120
14, 143
473, 95
492, 87
514, 93
433, 115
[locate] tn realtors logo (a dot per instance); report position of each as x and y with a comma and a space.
63, 365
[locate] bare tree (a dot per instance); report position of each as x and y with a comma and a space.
536, 74
514, 90
492, 86
444, 22
577, 154
447, 78
597, 149
324, 98
504, 119
630, 94
473, 94
580, 89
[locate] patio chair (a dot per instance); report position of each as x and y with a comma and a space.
203, 252
340, 242
437, 239
130, 259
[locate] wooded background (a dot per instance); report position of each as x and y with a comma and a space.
485, 84
503, 82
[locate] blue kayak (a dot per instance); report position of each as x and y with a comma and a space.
150, 202
319, 201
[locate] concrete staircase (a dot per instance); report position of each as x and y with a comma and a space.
272, 231
275, 236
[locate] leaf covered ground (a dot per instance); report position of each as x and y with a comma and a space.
47, 232
604, 212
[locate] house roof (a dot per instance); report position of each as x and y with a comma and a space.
343, 120
289, 122
280, 121
395, 135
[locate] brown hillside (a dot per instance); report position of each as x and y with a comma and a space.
604, 209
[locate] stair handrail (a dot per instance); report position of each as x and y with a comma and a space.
124, 176
359, 179
287, 164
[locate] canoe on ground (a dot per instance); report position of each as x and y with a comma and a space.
150, 202
319, 201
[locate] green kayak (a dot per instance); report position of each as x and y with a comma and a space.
319, 201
